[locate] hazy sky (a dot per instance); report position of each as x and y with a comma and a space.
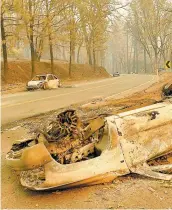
125, 1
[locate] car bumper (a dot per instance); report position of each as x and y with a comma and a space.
32, 87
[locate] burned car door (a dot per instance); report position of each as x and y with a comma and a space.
51, 82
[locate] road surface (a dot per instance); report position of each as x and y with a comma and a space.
26, 104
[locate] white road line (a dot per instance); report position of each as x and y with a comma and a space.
64, 94
77, 85
95, 82
130, 89
124, 91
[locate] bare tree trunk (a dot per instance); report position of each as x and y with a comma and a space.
128, 69
51, 54
102, 62
87, 43
70, 55
32, 56
64, 55
116, 65
73, 52
134, 61
137, 64
156, 65
94, 59
88, 49
164, 57
89, 55
94, 56
4, 47
32, 50
145, 61
50, 39
36, 55
120, 69
40, 50
78, 53
113, 64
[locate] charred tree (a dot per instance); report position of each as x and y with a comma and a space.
78, 53
4, 46
94, 55
137, 60
128, 68
51, 53
50, 38
32, 49
145, 63
88, 48
70, 55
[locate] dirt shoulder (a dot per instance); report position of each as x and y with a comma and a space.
131, 191
142, 98
21, 87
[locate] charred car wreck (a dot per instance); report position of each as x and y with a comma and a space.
167, 90
71, 153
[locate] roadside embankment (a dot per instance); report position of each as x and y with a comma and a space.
19, 74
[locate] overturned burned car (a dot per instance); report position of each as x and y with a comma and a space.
70, 153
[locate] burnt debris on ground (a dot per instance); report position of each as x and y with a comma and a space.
68, 139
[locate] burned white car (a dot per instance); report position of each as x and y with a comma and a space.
46, 81
70, 153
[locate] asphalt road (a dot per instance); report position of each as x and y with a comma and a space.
26, 104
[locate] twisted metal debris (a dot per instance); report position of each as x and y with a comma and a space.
67, 153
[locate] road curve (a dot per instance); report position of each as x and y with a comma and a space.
26, 104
